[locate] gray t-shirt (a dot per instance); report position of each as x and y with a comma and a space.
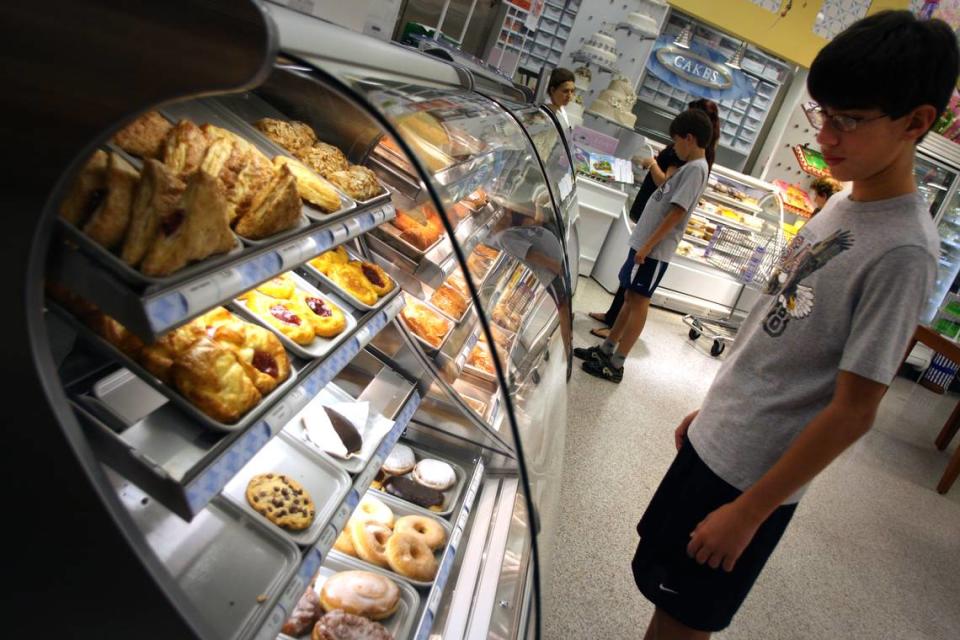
846, 296
683, 189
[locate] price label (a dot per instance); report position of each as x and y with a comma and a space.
201, 295
292, 593
326, 540
365, 478
455, 536
340, 517
296, 253
363, 335
339, 234
279, 415
389, 212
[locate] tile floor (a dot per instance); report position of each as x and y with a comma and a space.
873, 552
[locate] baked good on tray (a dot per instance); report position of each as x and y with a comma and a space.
361, 593
276, 208
449, 300
282, 500
350, 278
289, 134
420, 234
311, 188
157, 196
375, 276
481, 358
340, 625
304, 615
427, 529
198, 228
323, 158
435, 474
259, 352
412, 491
107, 224
144, 136
88, 189
212, 378
298, 315
184, 148
357, 182
328, 259
430, 326
325, 317
409, 555
287, 316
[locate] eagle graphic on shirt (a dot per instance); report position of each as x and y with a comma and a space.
795, 300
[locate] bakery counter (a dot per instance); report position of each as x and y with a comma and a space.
178, 459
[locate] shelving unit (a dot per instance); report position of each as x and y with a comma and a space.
537, 47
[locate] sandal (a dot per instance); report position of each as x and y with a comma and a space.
598, 316
601, 332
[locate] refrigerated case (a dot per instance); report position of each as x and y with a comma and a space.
165, 400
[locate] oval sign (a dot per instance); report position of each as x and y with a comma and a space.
695, 68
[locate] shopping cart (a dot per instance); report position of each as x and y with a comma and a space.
749, 256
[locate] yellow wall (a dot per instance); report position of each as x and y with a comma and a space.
791, 37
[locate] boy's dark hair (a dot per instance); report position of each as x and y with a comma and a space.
695, 122
558, 76
889, 61
826, 187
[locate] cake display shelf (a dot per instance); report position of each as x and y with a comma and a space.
584, 59
633, 31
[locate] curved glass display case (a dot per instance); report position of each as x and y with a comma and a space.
319, 326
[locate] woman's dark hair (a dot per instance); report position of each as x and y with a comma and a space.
889, 61
693, 122
558, 76
710, 108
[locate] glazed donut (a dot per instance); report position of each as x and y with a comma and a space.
409, 555
361, 593
428, 530
369, 540
435, 474
344, 543
372, 510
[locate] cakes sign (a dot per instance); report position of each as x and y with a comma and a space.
699, 70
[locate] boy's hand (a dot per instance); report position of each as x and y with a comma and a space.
722, 536
641, 256
681, 431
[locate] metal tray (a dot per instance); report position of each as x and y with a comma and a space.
427, 347
130, 406
110, 351
130, 275
320, 346
206, 111
450, 496
392, 236
312, 271
247, 108
428, 291
302, 224
400, 509
400, 624
234, 597
373, 432
326, 483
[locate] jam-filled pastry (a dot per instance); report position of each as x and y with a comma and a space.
349, 278
329, 259
144, 136
277, 208
198, 228
448, 300
376, 276
259, 351
289, 134
159, 357
213, 379
357, 182
481, 358
309, 186
287, 316
425, 322
88, 190
323, 158
325, 317
108, 224
184, 148
157, 196
280, 286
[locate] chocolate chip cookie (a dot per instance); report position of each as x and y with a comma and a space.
282, 500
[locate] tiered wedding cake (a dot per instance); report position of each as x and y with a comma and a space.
600, 49
616, 102
642, 23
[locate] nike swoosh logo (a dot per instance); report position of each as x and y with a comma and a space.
668, 590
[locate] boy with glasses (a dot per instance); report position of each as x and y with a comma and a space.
814, 358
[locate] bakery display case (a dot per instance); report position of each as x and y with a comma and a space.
302, 333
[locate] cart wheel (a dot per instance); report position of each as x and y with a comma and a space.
694, 334
717, 348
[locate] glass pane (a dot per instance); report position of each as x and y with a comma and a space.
933, 182
949, 263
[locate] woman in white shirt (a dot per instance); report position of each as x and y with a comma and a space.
560, 92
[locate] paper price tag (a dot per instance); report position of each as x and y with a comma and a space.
389, 212
326, 540
339, 233
279, 415
201, 295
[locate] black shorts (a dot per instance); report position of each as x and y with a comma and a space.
642, 278
700, 597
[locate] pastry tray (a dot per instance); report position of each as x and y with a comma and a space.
326, 483
428, 291
450, 496
205, 111
233, 597
313, 272
110, 351
427, 347
247, 108
391, 235
131, 275
356, 463
319, 347
401, 508
400, 624
302, 223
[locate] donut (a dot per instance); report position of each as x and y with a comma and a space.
435, 474
361, 593
344, 543
409, 555
372, 510
338, 625
369, 540
400, 461
428, 529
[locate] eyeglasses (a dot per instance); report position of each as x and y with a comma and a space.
838, 121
